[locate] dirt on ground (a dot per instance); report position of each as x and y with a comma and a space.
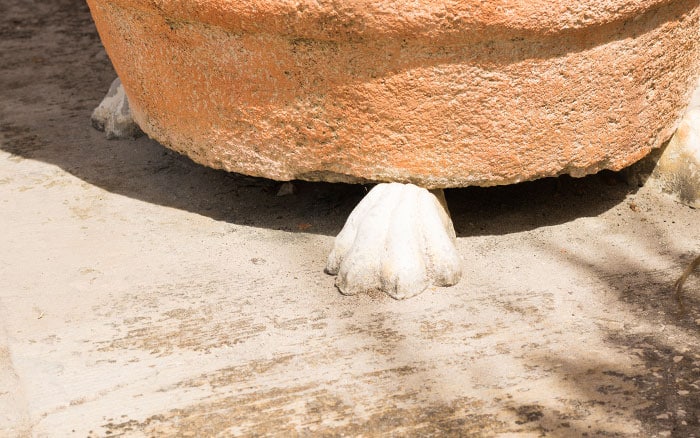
144, 295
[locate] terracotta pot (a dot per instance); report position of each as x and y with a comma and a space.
438, 93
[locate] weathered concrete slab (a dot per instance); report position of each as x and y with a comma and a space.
14, 420
145, 295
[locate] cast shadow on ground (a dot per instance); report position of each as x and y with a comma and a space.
654, 330
143, 169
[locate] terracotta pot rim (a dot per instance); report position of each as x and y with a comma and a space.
466, 20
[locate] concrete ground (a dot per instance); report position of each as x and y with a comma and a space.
144, 295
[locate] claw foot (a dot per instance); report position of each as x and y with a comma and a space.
113, 115
400, 240
678, 169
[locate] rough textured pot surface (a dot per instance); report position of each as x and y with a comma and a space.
437, 93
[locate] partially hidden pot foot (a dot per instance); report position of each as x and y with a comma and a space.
113, 115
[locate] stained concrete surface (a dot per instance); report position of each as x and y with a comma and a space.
144, 295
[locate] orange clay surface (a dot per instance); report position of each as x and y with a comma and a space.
441, 94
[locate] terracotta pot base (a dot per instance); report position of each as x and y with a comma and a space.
422, 97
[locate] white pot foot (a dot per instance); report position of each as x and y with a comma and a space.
678, 168
113, 115
399, 240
